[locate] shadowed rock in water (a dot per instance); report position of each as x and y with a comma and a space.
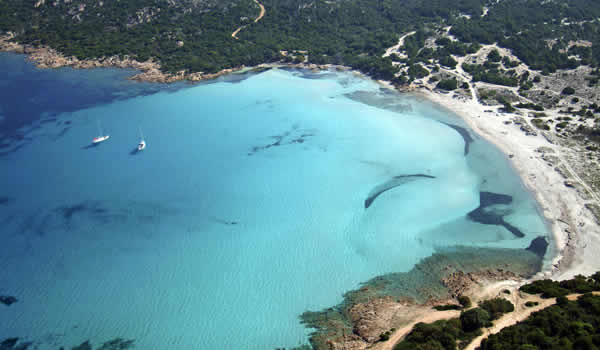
485, 216
295, 135
538, 246
393, 182
12, 344
115, 344
465, 135
83, 346
8, 300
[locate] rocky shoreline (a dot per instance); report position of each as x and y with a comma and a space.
149, 71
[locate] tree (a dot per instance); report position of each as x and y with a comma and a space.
464, 301
474, 319
494, 56
447, 84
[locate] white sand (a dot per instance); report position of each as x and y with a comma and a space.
576, 234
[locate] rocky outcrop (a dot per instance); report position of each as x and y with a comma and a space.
459, 283
150, 70
372, 318
7, 300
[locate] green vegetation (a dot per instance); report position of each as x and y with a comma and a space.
540, 124
447, 84
553, 289
490, 73
530, 106
456, 332
496, 307
530, 29
447, 307
567, 325
531, 303
464, 301
568, 91
195, 35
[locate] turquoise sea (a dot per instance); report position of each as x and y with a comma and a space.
258, 197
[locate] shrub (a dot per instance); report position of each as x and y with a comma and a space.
474, 319
417, 71
494, 56
447, 307
531, 303
548, 288
384, 336
506, 291
568, 91
448, 84
562, 300
496, 307
528, 347
464, 301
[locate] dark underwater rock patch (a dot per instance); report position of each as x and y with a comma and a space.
485, 216
83, 346
392, 183
295, 135
538, 246
13, 344
8, 300
115, 344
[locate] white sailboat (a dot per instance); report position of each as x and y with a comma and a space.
101, 137
142, 145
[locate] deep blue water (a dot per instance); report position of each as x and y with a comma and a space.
247, 208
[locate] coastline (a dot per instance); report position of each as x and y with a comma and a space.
561, 205
149, 71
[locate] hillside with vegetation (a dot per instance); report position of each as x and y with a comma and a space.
195, 35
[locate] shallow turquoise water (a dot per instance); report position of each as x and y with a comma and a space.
246, 209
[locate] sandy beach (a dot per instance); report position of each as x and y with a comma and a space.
576, 234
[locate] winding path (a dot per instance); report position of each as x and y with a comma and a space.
429, 317
260, 16
521, 313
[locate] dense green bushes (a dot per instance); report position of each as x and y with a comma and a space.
448, 84
552, 289
496, 307
448, 334
571, 325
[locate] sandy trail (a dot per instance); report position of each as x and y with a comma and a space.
394, 49
429, 317
260, 16
521, 313
517, 298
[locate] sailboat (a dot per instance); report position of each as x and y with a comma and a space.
100, 136
142, 145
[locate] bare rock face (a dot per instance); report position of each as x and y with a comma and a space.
459, 283
373, 318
